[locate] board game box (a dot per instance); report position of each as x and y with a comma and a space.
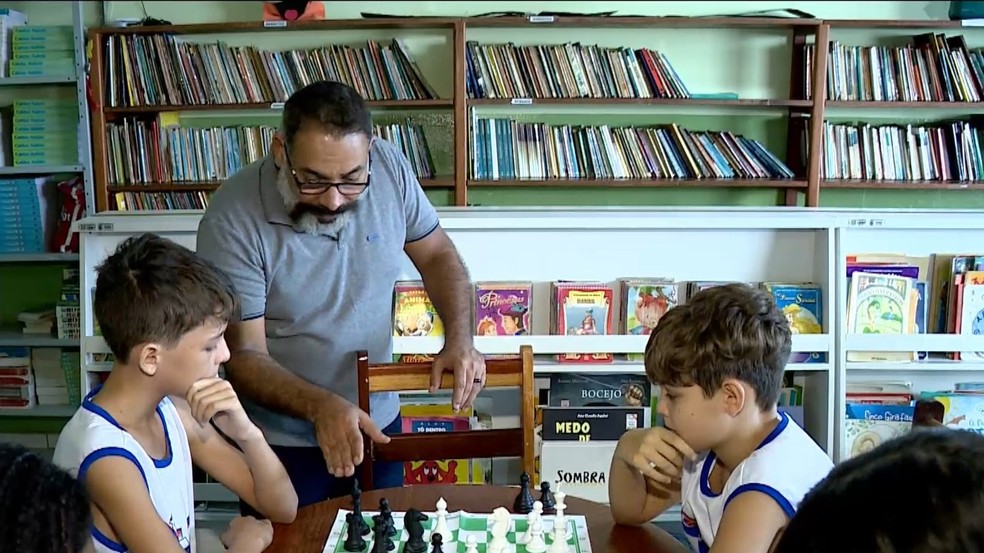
463, 524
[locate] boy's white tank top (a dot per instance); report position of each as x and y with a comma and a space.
92, 434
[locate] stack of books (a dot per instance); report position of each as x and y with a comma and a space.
45, 132
42, 50
25, 221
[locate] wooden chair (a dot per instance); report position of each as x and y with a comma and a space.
468, 444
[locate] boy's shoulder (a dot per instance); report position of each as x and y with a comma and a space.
92, 434
785, 466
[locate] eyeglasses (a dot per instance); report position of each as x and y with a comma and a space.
313, 188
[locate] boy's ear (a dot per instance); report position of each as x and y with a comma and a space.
149, 358
734, 396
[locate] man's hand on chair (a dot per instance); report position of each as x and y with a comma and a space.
468, 366
338, 426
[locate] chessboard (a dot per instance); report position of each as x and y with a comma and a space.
462, 526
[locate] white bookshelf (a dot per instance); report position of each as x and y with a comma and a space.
916, 233
748, 245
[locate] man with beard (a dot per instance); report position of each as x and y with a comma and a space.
313, 237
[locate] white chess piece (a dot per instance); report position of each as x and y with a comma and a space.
501, 521
560, 518
441, 526
471, 545
535, 514
559, 537
536, 544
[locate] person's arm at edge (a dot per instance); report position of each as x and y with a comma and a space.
253, 472
119, 491
635, 499
750, 524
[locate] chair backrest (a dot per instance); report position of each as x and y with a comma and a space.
512, 372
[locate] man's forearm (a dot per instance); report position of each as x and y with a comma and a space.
259, 378
449, 288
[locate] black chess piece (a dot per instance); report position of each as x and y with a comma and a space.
360, 521
547, 498
380, 541
354, 541
387, 515
437, 543
412, 520
524, 500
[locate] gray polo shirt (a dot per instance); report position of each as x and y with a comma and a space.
323, 297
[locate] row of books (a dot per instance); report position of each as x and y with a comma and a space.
878, 411
944, 152
157, 151
899, 294
629, 306
509, 149
165, 70
934, 68
40, 132
570, 70
129, 200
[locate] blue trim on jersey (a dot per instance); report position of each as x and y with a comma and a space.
705, 471
88, 405
775, 494
84, 468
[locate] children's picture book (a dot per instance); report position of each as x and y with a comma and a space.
503, 308
881, 304
414, 315
582, 309
643, 302
802, 305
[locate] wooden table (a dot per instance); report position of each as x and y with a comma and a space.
307, 534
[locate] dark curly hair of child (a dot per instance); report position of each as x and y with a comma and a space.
43, 509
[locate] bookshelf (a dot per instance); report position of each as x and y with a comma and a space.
32, 278
463, 110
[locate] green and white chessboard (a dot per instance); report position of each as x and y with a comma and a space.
463, 524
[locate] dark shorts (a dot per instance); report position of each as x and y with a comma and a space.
313, 483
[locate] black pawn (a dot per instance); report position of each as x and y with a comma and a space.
436, 543
387, 516
524, 500
547, 498
354, 541
381, 543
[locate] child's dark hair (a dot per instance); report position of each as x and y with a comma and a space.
922, 492
42, 508
727, 331
155, 290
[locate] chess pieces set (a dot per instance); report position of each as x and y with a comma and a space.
533, 537
384, 528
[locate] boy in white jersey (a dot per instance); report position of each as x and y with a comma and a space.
163, 311
736, 463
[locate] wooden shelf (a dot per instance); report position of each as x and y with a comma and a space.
896, 24
407, 104
903, 105
259, 26
641, 101
631, 21
642, 183
439, 182
903, 185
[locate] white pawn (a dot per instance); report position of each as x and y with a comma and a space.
533, 515
536, 544
471, 544
441, 526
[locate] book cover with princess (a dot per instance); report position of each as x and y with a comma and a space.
503, 308
582, 309
414, 315
802, 305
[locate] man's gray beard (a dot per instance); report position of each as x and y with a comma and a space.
307, 222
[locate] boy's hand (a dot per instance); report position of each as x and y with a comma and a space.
248, 534
658, 453
214, 399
